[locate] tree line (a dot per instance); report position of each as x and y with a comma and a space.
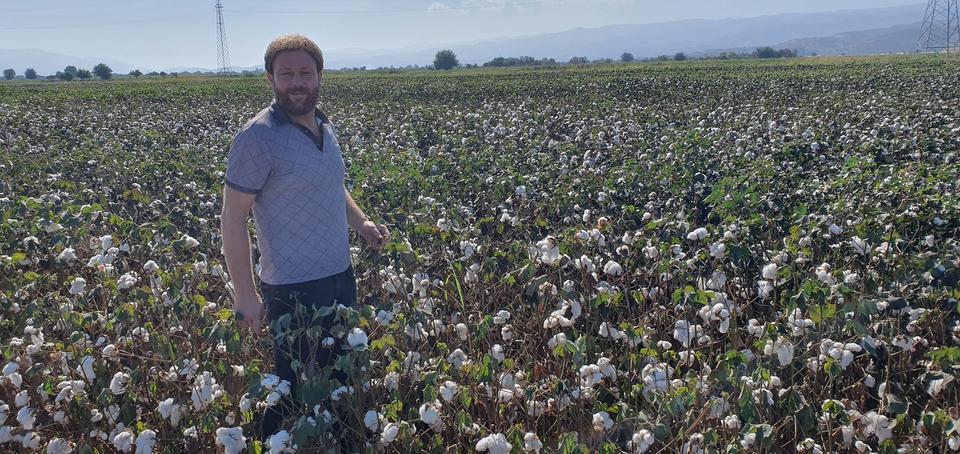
100, 71
444, 60
447, 59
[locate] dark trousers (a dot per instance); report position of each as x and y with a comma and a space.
340, 288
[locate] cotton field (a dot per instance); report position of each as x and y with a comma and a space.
681, 257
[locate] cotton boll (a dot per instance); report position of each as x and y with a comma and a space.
448, 390
26, 417
784, 350
430, 413
612, 268
30, 441
549, 250
231, 439
86, 368
127, 281
497, 352
146, 440
21, 399
281, 443
494, 444
58, 446
338, 393
189, 241
501, 318
765, 289
602, 421
389, 433
169, 409
6, 434
698, 234
123, 441
732, 422
685, 332
357, 338
860, 246
641, 441
67, 255
372, 420
457, 358
770, 271
10, 368
77, 286
878, 425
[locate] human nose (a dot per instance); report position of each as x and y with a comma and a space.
298, 81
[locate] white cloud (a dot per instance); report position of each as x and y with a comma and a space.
437, 6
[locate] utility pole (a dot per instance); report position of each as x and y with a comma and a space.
223, 54
941, 27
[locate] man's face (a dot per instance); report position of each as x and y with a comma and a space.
295, 82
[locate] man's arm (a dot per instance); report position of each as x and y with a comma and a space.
236, 251
376, 235
355, 216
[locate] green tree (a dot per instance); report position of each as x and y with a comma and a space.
72, 71
579, 60
9, 74
136, 73
626, 57
65, 75
30, 73
103, 71
445, 59
83, 74
679, 56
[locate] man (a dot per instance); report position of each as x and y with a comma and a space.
285, 164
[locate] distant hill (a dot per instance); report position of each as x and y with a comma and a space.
900, 38
650, 40
887, 40
847, 32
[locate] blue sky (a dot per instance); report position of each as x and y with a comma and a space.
183, 32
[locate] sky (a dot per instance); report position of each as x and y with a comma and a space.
171, 33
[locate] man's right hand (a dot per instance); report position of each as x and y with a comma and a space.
250, 312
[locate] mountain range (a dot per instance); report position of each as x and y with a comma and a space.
845, 32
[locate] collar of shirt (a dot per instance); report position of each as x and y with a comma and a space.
281, 117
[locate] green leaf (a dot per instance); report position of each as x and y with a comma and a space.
945, 356
895, 405
820, 313
383, 342
661, 432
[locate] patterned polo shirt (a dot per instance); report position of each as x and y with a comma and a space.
300, 209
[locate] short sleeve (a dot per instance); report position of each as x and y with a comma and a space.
248, 164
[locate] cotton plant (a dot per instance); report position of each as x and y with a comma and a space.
777, 205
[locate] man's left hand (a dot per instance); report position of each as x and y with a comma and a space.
376, 235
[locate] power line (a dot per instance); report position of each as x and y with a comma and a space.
237, 11
407, 10
85, 6
100, 25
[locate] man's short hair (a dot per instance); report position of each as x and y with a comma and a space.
289, 43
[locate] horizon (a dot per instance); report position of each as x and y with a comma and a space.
362, 27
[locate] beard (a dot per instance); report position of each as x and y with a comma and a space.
309, 103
